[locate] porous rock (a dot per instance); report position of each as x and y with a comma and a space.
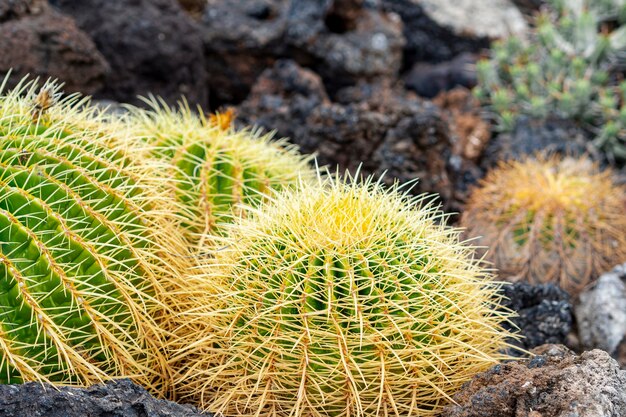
40, 41
555, 383
429, 80
544, 314
530, 136
152, 46
377, 127
113, 399
601, 312
438, 30
345, 41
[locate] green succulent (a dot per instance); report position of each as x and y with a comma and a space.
564, 71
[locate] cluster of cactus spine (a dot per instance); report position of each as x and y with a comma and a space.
338, 299
87, 244
217, 169
549, 219
564, 71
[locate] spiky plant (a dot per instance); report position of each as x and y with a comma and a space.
549, 219
216, 168
86, 245
338, 299
565, 71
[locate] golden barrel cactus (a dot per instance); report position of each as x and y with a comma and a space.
216, 169
549, 219
87, 246
338, 299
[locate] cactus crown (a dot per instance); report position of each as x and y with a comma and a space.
85, 244
339, 300
563, 72
548, 219
217, 169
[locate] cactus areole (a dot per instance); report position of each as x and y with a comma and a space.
79, 257
341, 300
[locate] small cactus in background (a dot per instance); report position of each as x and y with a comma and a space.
565, 71
549, 220
217, 169
86, 245
338, 299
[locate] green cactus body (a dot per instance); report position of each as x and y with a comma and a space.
338, 300
218, 170
81, 247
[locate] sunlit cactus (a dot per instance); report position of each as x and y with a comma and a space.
216, 168
338, 299
86, 245
558, 220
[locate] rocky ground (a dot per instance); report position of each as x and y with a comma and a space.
376, 85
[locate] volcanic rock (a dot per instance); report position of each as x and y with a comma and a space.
544, 314
555, 383
438, 30
375, 127
113, 399
40, 41
153, 46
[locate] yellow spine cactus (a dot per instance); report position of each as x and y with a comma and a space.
87, 246
549, 219
217, 169
338, 299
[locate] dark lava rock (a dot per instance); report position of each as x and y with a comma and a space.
557, 383
377, 127
428, 80
531, 136
345, 41
544, 314
438, 30
113, 399
40, 41
153, 46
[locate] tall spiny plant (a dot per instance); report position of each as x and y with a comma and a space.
337, 299
86, 245
217, 169
549, 219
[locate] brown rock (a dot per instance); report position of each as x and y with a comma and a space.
378, 127
40, 41
555, 383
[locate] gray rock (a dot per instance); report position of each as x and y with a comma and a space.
480, 19
601, 312
555, 383
114, 399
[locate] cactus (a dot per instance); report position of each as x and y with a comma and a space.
549, 219
218, 170
86, 246
565, 71
338, 299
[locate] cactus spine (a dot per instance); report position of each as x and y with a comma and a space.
338, 299
216, 169
86, 243
549, 219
